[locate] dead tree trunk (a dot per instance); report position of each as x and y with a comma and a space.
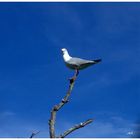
58, 107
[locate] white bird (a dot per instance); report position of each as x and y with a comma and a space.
77, 63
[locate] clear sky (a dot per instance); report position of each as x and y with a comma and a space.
33, 76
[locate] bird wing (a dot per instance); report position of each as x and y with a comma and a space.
78, 61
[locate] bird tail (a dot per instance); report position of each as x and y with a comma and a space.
97, 60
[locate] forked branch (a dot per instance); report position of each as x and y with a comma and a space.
59, 106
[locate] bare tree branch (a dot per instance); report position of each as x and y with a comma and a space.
34, 133
75, 128
58, 106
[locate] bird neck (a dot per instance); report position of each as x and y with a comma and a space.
66, 56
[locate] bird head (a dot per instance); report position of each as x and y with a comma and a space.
64, 50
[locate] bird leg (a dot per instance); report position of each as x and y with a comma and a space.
76, 73
75, 76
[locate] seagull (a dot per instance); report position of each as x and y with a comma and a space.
77, 63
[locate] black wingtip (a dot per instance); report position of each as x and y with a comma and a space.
97, 60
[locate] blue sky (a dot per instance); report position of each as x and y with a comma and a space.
33, 76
